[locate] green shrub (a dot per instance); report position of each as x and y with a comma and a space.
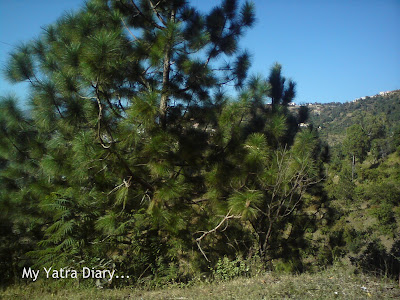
385, 217
227, 269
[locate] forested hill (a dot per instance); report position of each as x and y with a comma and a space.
332, 119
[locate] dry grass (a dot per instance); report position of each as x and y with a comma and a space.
333, 283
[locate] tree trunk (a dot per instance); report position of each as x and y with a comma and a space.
263, 238
165, 82
265, 245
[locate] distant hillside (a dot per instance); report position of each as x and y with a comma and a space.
333, 119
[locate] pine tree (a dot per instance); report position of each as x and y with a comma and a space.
265, 168
356, 145
122, 101
280, 93
20, 185
130, 148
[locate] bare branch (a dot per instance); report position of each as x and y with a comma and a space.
134, 36
154, 8
205, 233
99, 119
124, 182
140, 13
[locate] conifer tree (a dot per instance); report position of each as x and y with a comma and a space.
122, 99
355, 145
130, 147
20, 218
280, 93
263, 174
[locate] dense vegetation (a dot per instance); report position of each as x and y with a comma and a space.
132, 157
379, 116
363, 179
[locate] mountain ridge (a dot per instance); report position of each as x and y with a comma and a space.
333, 119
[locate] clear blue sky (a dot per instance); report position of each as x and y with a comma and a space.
335, 50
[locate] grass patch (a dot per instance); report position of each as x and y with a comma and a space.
332, 283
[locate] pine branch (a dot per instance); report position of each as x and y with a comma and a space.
123, 22
100, 115
144, 17
154, 8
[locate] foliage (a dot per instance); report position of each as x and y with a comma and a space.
114, 146
131, 155
377, 260
377, 115
356, 142
226, 269
368, 223
130, 146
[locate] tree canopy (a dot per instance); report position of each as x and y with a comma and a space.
131, 154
